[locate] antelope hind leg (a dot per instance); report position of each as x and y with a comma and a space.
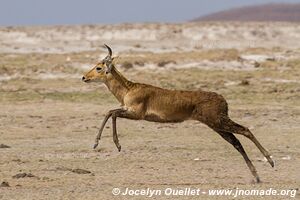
229, 137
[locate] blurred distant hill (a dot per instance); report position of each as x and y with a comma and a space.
267, 12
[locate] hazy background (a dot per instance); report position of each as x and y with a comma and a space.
49, 12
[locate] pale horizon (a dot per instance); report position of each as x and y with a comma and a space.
68, 12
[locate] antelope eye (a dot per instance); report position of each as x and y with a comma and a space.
98, 68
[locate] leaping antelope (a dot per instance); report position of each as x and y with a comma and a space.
146, 102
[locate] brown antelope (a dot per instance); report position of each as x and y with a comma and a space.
146, 102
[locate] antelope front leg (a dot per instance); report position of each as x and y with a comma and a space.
115, 135
107, 116
122, 114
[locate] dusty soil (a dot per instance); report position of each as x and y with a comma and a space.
49, 118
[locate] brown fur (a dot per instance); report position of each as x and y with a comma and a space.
146, 102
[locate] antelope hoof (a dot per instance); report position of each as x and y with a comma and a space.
95, 145
119, 148
272, 163
258, 180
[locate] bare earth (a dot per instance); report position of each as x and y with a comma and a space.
49, 118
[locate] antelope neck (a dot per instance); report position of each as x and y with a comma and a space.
118, 85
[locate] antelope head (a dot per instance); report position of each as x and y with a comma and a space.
100, 72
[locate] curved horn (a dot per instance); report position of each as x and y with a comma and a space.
109, 50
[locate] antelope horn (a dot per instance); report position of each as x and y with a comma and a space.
109, 50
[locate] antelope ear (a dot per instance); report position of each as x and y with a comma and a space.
111, 64
109, 67
114, 60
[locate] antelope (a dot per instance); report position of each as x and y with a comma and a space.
146, 102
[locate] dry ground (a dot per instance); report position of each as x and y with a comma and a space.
49, 119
